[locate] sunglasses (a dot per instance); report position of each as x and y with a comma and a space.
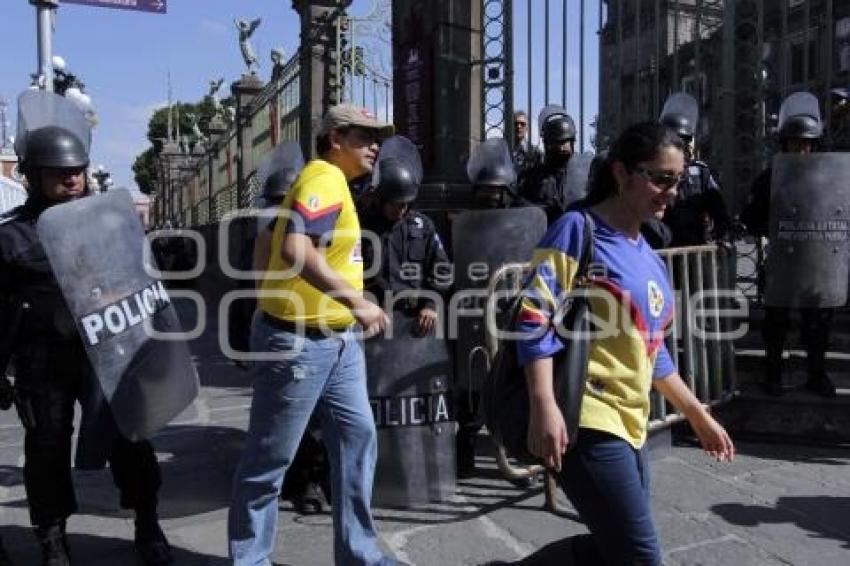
661, 179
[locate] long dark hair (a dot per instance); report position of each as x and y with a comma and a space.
638, 143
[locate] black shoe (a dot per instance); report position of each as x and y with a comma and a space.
152, 546
309, 502
5, 560
773, 388
820, 384
54, 545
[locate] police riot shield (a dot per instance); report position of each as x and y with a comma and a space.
491, 164
578, 175
799, 104
484, 241
409, 390
684, 105
38, 109
401, 149
96, 248
282, 166
808, 253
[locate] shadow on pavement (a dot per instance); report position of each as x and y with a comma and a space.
197, 464
826, 517
558, 553
93, 550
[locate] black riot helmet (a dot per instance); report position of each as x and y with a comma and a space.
680, 124
558, 128
494, 175
799, 118
396, 182
54, 147
277, 184
801, 127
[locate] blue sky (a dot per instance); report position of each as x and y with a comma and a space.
125, 57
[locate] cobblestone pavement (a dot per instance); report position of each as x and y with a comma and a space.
776, 504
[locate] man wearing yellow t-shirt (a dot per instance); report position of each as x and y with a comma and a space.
311, 301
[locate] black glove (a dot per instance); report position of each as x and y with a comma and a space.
7, 393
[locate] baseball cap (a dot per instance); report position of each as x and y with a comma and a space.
345, 115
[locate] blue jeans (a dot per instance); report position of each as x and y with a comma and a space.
328, 374
607, 481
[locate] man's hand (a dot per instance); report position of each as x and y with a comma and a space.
370, 317
427, 321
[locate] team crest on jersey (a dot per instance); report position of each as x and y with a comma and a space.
656, 299
313, 202
356, 253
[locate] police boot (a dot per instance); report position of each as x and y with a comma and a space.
465, 445
151, 545
54, 545
772, 379
4, 557
818, 381
310, 501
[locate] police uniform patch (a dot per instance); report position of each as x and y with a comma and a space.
656, 299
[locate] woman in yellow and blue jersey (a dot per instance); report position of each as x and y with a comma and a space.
605, 473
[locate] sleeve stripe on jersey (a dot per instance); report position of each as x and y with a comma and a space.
313, 215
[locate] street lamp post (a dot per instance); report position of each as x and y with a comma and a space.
44, 25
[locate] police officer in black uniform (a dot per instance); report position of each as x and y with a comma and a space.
411, 253
545, 184
52, 371
699, 214
798, 134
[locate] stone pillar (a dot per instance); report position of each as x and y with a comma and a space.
244, 91
215, 131
318, 41
437, 82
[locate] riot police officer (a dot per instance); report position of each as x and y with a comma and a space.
492, 176
410, 254
524, 154
699, 214
545, 184
52, 371
799, 132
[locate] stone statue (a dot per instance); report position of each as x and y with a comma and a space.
197, 135
215, 86
278, 59
246, 30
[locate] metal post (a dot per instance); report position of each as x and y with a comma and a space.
698, 54
638, 82
44, 26
529, 59
564, 56
619, 74
827, 91
656, 98
546, 52
675, 85
210, 184
807, 23
783, 51
338, 26
581, 77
